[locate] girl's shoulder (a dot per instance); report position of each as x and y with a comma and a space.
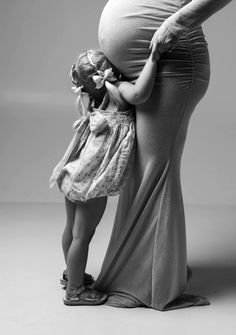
116, 97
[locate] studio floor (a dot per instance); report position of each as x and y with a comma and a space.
32, 262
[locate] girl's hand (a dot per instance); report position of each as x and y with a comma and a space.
162, 41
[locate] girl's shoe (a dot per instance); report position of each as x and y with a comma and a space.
88, 279
84, 296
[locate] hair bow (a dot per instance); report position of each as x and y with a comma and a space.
102, 76
79, 101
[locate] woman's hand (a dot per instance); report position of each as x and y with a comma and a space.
162, 41
186, 18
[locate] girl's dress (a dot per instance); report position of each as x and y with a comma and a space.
99, 158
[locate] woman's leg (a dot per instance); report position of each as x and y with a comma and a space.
67, 234
87, 217
148, 243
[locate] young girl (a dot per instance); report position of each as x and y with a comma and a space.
98, 160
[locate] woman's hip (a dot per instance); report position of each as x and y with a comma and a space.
181, 82
188, 65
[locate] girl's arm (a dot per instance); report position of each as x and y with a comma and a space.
139, 92
186, 18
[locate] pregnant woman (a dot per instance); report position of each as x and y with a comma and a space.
145, 264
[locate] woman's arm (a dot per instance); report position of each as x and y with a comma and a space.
186, 18
193, 14
139, 92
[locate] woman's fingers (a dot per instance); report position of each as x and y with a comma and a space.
156, 44
163, 40
152, 43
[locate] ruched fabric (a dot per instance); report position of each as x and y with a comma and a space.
146, 260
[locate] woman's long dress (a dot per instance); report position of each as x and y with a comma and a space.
145, 263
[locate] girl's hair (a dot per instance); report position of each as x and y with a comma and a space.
85, 67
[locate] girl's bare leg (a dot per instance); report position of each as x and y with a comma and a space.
87, 217
67, 234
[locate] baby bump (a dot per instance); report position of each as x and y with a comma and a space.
126, 29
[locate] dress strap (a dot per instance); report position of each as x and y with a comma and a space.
105, 101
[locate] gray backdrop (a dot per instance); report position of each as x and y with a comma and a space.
39, 40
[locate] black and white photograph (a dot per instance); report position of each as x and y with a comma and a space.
117, 184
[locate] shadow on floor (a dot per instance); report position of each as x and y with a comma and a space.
213, 280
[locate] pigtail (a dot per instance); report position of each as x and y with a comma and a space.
78, 89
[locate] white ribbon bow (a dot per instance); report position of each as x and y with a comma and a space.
102, 76
79, 101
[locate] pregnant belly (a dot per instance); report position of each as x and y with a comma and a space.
126, 28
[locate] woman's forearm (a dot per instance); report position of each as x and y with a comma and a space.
192, 15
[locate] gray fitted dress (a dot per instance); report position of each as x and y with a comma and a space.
145, 264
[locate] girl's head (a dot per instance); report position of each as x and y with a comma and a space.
86, 67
